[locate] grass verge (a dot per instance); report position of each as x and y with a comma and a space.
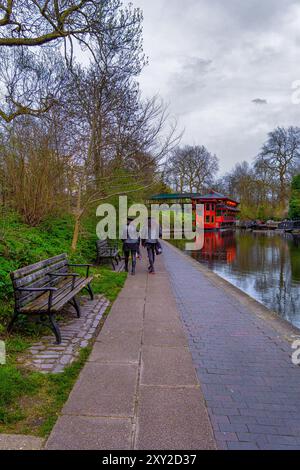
30, 402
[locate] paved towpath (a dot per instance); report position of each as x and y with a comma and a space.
242, 355
17, 442
139, 389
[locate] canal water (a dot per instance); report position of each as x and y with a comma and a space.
264, 265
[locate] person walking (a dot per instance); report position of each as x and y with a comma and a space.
150, 240
131, 245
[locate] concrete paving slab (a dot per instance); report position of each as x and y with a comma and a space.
104, 390
138, 294
125, 319
167, 366
18, 442
155, 293
164, 302
90, 433
173, 418
161, 274
119, 335
136, 290
172, 321
167, 334
129, 321
155, 312
126, 314
121, 347
111, 332
129, 305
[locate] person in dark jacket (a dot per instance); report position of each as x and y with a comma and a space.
150, 240
131, 244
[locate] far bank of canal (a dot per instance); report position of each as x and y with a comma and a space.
264, 265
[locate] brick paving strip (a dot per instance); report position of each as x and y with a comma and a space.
139, 389
242, 353
47, 357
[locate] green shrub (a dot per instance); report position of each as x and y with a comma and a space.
294, 212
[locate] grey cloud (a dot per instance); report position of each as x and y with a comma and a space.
226, 68
189, 85
254, 14
189, 77
259, 101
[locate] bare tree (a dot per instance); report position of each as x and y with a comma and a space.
281, 156
33, 31
30, 83
191, 168
107, 92
139, 152
33, 171
241, 184
37, 22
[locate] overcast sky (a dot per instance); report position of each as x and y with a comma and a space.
226, 68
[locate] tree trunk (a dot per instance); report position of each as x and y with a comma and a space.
76, 232
78, 214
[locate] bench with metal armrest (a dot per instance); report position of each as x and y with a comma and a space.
44, 288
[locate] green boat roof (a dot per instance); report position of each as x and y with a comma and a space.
177, 196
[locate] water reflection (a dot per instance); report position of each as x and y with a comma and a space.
266, 266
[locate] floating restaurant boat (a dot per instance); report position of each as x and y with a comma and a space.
220, 211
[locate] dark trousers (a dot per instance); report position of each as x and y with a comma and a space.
151, 255
127, 254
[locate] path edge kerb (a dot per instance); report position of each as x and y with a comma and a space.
287, 331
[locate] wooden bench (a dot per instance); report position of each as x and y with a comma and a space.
44, 288
107, 251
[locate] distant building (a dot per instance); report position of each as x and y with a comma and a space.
220, 211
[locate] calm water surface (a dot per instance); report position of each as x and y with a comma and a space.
265, 266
